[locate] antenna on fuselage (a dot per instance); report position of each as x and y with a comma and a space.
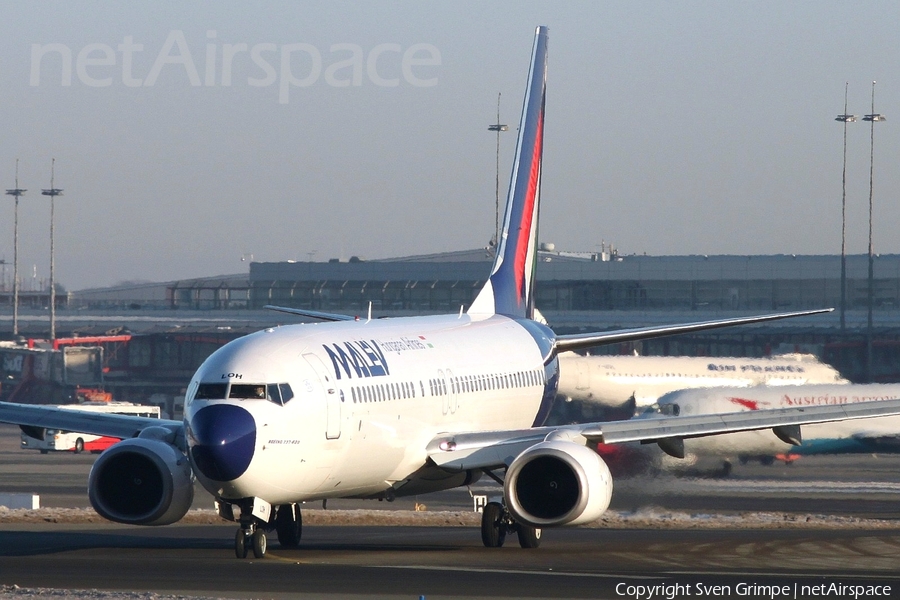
370, 311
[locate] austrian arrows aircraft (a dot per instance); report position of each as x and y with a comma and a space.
858, 436
392, 407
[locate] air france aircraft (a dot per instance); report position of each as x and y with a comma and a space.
392, 407
636, 382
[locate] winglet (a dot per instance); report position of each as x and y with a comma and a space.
510, 288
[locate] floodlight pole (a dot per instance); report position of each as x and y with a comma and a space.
871, 118
16, 191
844, 118
53, 192
498, 127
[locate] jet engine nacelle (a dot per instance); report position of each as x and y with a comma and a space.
558, 483
141, 482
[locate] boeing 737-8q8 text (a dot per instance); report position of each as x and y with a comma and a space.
391, 407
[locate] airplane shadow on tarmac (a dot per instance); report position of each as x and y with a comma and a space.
36, 543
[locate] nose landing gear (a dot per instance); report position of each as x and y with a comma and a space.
287, 523
252, 536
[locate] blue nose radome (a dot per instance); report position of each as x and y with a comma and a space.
222, 438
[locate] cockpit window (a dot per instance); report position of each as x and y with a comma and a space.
286, 392
273, 394
211, 391
653, 409
248, 391
279, 393
672, 410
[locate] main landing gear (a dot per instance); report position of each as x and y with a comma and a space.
286, 520
496, 522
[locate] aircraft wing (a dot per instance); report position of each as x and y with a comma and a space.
492, 449
580, 341
82, 421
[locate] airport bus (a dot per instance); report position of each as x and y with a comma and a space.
72, 441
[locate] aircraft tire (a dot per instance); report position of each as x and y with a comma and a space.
259, 543
529, 537
493, 530
289, 530
240, 544
79, 446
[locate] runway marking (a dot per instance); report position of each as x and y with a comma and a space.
281, 559
792, 574
847, 487
514, 571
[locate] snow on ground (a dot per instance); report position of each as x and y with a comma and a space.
642, 519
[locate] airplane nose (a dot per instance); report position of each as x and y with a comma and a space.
222, 438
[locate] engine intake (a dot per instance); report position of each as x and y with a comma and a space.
558, 483
141, 482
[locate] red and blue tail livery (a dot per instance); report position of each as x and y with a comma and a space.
510, 289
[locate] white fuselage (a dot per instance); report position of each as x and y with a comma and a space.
838, 436
613, 380
368, 396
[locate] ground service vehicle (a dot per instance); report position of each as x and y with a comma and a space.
46, 440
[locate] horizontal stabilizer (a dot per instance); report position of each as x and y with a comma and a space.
313, 314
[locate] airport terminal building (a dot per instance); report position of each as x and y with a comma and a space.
566, 282
582, 282
575, 291
154, 335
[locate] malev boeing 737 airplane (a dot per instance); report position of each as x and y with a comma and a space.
391, 407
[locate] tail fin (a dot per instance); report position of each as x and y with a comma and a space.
510, 288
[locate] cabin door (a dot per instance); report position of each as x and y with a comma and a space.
333, 398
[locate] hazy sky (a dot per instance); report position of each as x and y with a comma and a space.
340, 129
